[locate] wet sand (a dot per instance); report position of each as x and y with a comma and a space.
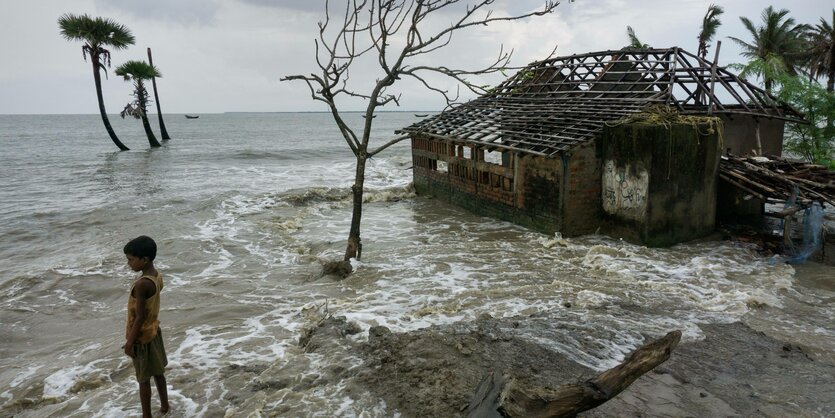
733, 371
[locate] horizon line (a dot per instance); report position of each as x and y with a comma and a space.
223, 113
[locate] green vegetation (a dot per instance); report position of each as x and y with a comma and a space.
777, 46
97, 34
634, 42
812, 141
138, 72
790, 58
710, 23
822, 51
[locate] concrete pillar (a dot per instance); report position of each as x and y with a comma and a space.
659, 182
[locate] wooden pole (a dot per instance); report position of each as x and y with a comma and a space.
156, 99
759, 141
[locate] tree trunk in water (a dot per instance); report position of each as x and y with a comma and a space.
151, 138
97, 78
143, 104
354, 248
162, 130
498, 397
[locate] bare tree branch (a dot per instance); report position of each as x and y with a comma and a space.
396, 31
387, 144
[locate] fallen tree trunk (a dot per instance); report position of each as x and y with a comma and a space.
499, 396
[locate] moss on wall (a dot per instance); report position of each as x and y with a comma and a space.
671, 168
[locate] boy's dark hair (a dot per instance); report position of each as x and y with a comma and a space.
142, 246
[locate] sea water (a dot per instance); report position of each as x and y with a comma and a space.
245, 209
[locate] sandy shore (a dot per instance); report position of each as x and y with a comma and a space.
734, 371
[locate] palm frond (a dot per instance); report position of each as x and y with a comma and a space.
133, 110
710, 23
96, 32
634, 42
137, 70
777, 45
745, 45
821, 48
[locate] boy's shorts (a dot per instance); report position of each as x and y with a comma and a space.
149, 359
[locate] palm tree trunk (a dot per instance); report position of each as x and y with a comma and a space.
354, 248
142, 95
148, 132
830, 86
97, 78
164, 132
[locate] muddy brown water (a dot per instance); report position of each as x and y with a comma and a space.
247, 207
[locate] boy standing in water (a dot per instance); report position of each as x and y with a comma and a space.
143, 337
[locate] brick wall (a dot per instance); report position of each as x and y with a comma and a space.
524, 190
582, 210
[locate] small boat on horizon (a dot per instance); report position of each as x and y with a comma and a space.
192, 116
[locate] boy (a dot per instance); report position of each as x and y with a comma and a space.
143, 337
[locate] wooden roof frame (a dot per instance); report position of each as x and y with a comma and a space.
550, 106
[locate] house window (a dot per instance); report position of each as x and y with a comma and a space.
465, 152
493, 157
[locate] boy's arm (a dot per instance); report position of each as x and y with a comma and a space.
142, 289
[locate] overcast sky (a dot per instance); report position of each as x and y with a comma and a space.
228, 55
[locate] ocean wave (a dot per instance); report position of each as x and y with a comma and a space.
312, 195
326, 152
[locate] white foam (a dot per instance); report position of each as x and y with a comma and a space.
24, 374
590, 299
59, 383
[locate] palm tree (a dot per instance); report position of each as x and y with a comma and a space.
777, 46
97, 33
162, 129
822, 51
709, 25
634, 42
138, 71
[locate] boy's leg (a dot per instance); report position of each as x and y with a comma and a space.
162, 389
145, 398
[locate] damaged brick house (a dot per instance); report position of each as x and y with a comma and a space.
549, 148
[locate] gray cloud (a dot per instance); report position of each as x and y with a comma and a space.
228, 55
303, 5
188, 12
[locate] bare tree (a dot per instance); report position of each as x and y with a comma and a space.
396, 33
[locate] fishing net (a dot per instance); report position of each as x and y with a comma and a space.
812, 231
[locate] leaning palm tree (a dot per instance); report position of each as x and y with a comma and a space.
822, 51
709, 25
97, 33
138, 71
634, 42
777, 46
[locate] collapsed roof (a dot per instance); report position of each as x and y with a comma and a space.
552, 105
778, 180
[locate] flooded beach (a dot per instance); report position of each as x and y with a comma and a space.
246, 208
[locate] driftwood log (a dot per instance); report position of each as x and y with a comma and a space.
499, 396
